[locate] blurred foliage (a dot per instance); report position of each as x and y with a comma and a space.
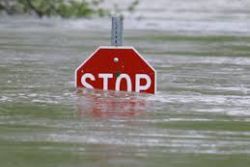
63, 8
133, 5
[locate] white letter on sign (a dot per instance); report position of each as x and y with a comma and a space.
105, 80
83, 80
118, 82
138, 86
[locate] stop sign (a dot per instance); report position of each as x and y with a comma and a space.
116, 68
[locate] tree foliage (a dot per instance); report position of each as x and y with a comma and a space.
64, 8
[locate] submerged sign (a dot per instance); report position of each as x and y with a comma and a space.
116, 68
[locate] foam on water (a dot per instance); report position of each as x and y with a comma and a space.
203, 17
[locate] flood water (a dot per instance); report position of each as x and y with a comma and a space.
200, 115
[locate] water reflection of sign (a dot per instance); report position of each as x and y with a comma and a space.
116, 68
110, 105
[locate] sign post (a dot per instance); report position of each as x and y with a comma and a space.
116, 68
116, 31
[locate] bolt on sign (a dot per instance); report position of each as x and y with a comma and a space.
116, 68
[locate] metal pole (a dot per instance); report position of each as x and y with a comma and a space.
117, 30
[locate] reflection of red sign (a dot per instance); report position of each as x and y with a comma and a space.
99, 104
116, 68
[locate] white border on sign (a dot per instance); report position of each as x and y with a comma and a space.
118, 47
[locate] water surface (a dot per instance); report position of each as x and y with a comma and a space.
200, 115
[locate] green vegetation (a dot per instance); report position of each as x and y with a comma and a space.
70, 8
63, 8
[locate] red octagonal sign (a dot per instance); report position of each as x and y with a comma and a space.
116, 68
